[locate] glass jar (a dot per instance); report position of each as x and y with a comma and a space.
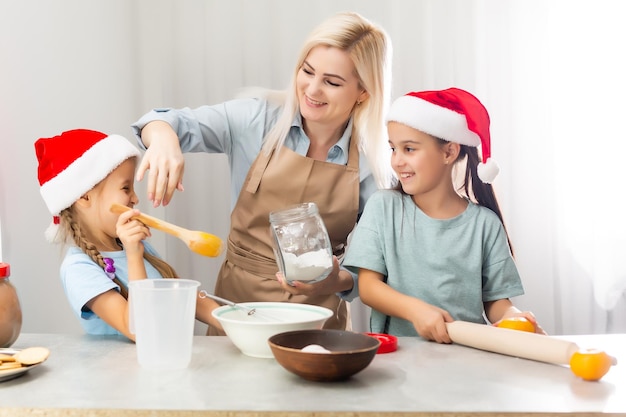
10, 310
301, 243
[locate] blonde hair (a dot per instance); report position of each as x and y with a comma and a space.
69, 228
369, 48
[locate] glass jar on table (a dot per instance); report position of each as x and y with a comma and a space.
10, 309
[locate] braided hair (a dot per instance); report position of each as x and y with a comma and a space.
71, 229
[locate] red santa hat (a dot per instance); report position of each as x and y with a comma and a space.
453, 115
73, 163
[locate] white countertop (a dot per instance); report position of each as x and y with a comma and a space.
99, 376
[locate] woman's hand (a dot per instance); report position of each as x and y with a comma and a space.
164, 160
336, 281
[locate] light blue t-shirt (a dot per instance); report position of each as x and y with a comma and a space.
237, 128
83, 279
456, 264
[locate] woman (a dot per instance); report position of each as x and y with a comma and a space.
323, 141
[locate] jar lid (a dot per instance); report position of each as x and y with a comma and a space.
5, 270
388, 342
294, 213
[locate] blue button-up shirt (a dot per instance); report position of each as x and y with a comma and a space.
237, 128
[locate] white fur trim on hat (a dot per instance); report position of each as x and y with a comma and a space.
432, 119
86, 171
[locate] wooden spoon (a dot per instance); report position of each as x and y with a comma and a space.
199, 242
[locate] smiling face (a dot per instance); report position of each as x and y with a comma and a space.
94, 206
421, 162
328, 87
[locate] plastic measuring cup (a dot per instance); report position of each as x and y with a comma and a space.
162, 318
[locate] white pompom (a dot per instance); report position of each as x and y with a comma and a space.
488, 171
52, 233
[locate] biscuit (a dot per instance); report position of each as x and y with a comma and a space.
32, 355
9, 365
6, 358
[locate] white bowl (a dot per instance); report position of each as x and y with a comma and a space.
249, 332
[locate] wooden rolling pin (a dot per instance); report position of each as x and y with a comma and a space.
517, 343
588, 364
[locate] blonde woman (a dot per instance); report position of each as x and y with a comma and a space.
323, 140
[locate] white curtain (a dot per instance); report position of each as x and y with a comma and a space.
587, 146
550, 73
564, 146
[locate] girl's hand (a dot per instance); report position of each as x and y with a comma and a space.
164, 160
131, 232
514, 312
333, 283
430, 321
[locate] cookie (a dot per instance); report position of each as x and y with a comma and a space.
6, 358
32, 355
9, 365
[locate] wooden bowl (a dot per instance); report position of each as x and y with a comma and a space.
350, 353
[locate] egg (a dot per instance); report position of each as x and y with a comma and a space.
315, 349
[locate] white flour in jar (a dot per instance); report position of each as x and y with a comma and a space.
308, 266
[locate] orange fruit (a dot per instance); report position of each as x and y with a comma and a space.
590, 364
517, 323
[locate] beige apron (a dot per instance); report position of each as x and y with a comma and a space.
275, 182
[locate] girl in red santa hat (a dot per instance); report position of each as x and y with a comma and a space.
81, 174
425, 253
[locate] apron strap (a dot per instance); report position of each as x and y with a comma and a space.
353, 152
256, 173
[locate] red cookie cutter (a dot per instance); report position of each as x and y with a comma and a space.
388, 343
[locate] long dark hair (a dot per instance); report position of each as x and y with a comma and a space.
472, 187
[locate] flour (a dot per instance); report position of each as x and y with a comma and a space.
307, 267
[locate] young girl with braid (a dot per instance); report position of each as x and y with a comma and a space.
427, 253
81, 173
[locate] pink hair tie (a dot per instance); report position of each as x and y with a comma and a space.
109, 269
